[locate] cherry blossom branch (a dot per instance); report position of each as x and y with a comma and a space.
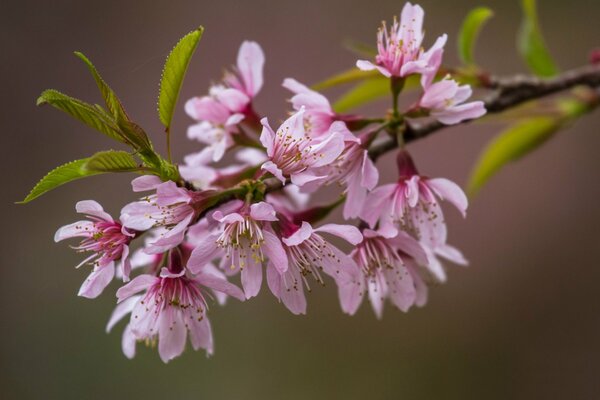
508, 92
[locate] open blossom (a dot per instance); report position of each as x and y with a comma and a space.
172, 305
294, 154
445, 101
400, 51
227, 104
170, 210
217, 122
107, 241
309, 254
411, 203
353, 170
318, 115
243, 240
383, 257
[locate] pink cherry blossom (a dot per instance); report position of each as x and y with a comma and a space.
170, 211
318, 115
227, 104
243, 240
294, 154
248, 76
411, 203
172, 305
400, 51
353, 170
382, 256
445, 101
106, 239
309, 254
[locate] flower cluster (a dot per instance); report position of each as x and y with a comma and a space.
251, 217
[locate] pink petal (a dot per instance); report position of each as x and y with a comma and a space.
220, 285
369, 66
91, 207
76, 229
302, 234
271, 167
233, 99
250, 63
267, 136
349, 233
120, 311
206, 251
128, 342
145, 183
201, 335
450, 191
99, 279
287, 288
377, 293
451, 253
137, 284
172, 334
274, 251
370, 173
350, 294
263, 211
456, 114
251, 277
410, 246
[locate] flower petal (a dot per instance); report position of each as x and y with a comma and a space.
349, 233
137, 284
99, 279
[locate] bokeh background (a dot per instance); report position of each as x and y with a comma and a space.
522, 322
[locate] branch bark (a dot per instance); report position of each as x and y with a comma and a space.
508, 92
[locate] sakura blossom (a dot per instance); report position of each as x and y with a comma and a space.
294, 154
107, 241
318, 115
244, 241
382, 257
400, 51
170, 210
220, 113
254, 201
445, 101
171, 305
310, 255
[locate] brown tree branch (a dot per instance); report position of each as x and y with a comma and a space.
508, 92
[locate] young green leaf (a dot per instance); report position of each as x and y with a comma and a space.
91, 115
510, 145
173, 74
469, 32
110, 98
58, 176
363, 93
112, 161
531, 43
349, 76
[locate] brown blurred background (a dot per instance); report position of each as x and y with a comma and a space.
522, 322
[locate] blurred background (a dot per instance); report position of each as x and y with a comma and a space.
522, 322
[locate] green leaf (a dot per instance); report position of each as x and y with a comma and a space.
173, 74
59, 176
531, 43
512, 144
349, 76
91, 115
469, 32
110, 98
363, 93
112, 161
